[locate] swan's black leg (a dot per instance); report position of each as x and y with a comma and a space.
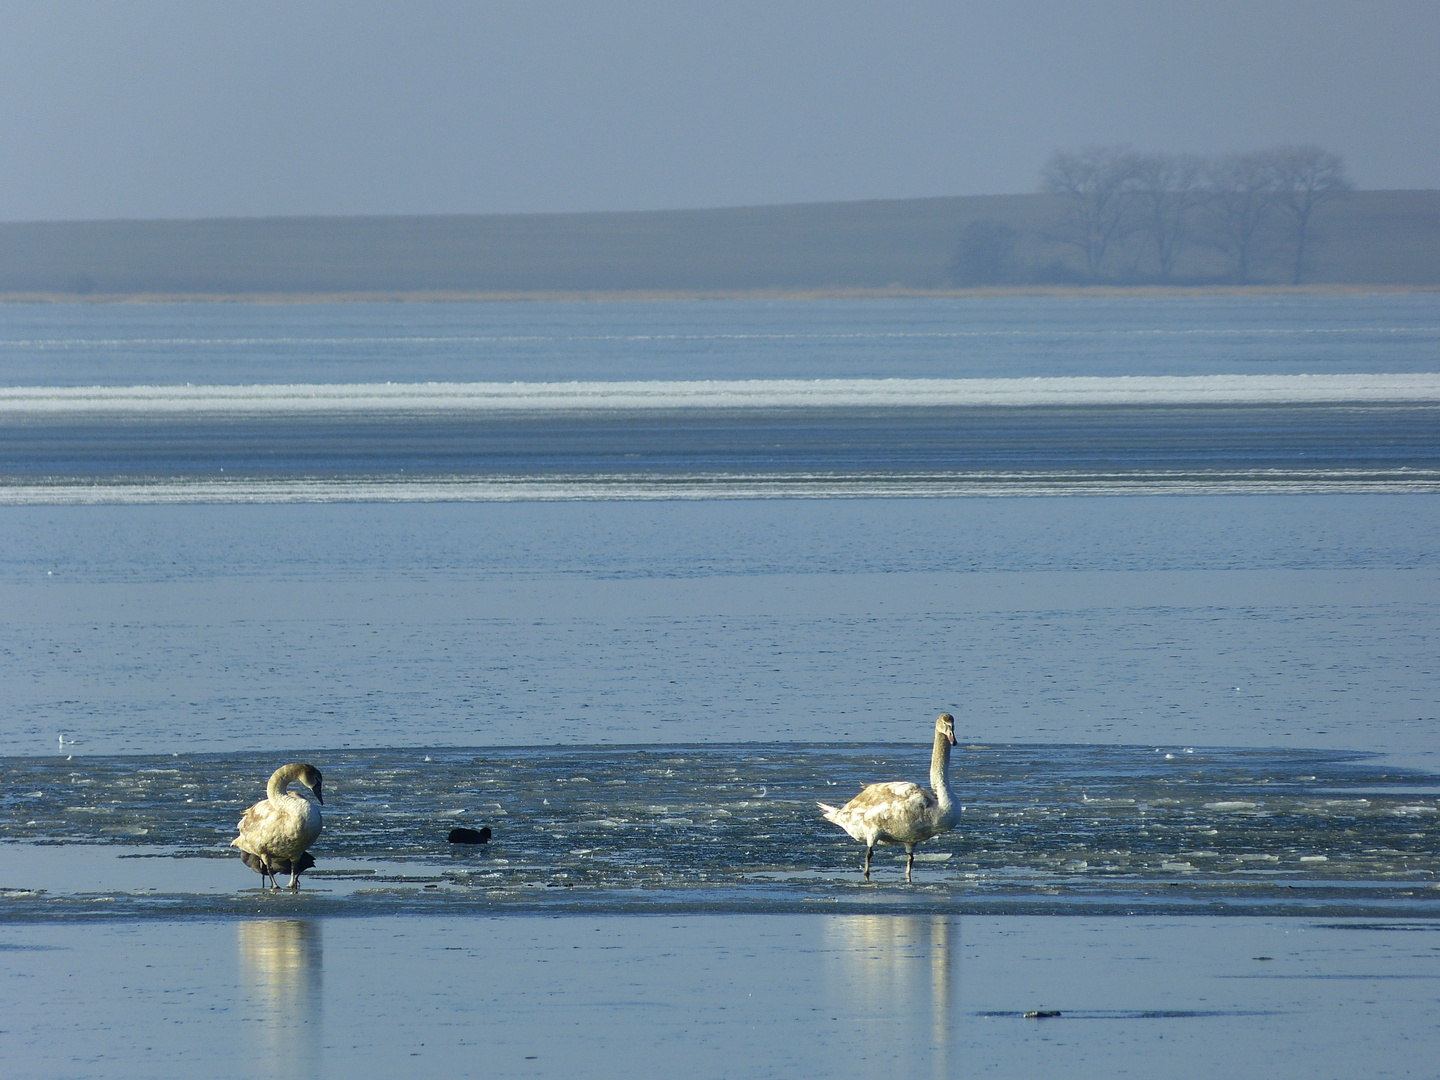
909, 862
867, 862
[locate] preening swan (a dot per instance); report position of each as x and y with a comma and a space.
279, 828
903, 813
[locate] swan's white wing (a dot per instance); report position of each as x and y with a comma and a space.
898, 797
257, 826
897, 812
280, 831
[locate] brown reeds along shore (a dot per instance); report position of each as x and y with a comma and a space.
1366, 241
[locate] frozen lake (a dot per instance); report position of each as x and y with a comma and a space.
713, 996
1193, 671
1290, 621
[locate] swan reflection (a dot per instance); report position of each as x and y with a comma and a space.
903, 970
281, 966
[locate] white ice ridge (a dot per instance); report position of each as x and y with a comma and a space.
408, 398
724, 486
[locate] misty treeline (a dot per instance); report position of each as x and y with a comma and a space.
1127, 217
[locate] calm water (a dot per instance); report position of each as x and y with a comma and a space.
1007, 337
863, 996
766, 429
1193, 673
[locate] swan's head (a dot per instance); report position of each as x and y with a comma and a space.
945, 725
310, 777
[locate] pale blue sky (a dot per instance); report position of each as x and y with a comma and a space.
197, 109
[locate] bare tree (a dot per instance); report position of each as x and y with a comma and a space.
1168, 190
1306, 177
985, 254
1242, 200
1093, 182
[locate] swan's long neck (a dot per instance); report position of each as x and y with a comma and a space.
940, 770
281, 779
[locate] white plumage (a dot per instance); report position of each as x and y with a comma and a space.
279, 828
901, 812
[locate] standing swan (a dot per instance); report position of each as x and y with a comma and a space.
901, 812
279, 828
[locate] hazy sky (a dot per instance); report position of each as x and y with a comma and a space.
195, 109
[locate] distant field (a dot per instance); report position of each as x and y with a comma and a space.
1372, 239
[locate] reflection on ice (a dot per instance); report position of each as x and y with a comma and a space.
641, 997
282, 967
904, 971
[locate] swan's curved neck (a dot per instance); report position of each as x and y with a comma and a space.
281, 779
940, 769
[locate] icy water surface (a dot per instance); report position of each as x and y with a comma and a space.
1265, 621
863, 996
883, 450
236, 403
1046, 828
991, 337
1216, 695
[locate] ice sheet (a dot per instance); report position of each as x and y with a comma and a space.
719, 996
422, 398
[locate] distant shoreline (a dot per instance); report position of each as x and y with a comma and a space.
900, 248
690, 295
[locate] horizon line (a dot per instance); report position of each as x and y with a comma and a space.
728, 208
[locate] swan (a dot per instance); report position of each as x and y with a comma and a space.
279, 828
901, 812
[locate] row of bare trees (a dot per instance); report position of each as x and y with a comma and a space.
1126, 215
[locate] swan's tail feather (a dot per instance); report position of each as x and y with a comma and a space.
828, 810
